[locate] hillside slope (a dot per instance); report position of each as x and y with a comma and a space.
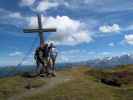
82, 84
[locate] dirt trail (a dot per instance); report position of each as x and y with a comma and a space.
51, 83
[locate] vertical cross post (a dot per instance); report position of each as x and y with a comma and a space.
40, 30
40, 27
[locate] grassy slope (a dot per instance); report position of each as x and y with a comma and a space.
84, 86
15, 85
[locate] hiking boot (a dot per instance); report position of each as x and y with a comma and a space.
42, 75
53, 74
47, 74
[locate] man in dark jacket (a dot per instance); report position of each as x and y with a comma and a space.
40, 56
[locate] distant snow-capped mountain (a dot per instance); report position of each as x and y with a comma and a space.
111, 61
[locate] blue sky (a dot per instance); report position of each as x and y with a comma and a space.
86, 29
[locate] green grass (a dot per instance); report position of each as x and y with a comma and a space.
15, 85
84, 86
82, 89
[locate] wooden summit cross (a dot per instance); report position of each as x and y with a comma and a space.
40, 30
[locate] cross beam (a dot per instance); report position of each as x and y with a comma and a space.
40, 30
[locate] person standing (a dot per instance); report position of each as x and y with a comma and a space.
45, 58
41, 56
52, 58
38, 56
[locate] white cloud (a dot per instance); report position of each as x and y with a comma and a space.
69, 31
109, 29
28, 62
16, 53
6, 14
39, 5
129, 39
75, 52
15, 15
76, 55
104, 5
111, 44
105, 53
27, 2
45, 5
62, 58
89, 5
